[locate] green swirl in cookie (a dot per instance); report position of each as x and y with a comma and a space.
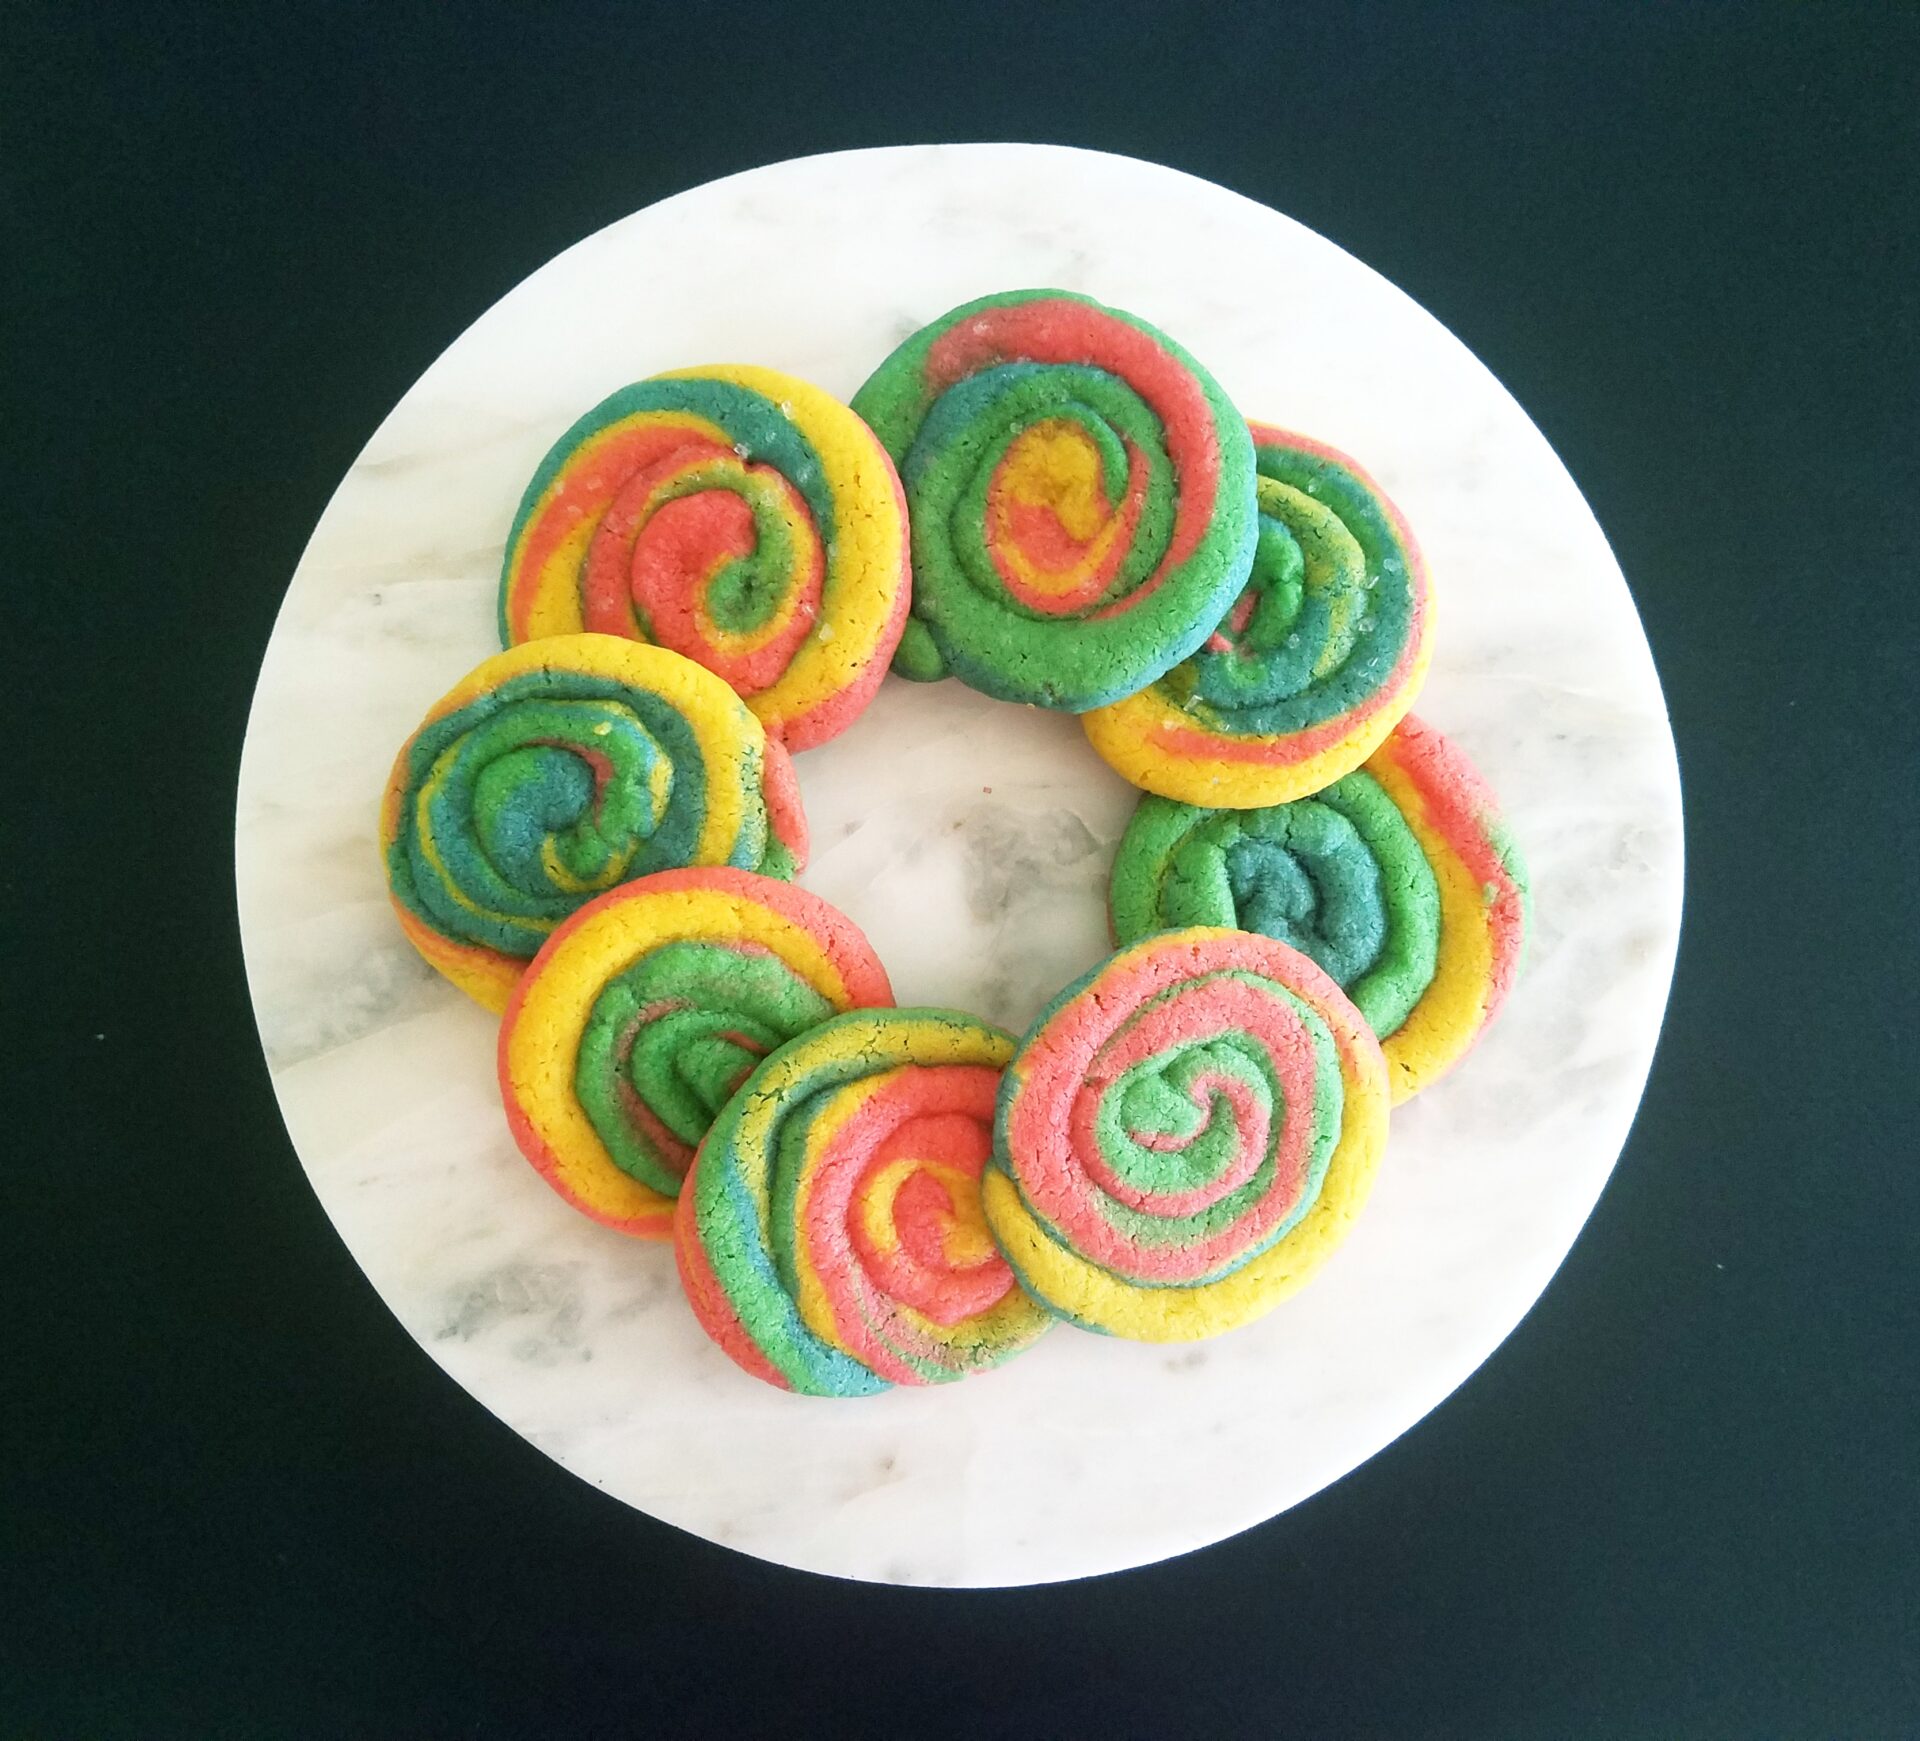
668, 1041
1338, 876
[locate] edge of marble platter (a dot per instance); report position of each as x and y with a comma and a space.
545, 1318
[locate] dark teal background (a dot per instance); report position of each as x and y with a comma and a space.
236, 1501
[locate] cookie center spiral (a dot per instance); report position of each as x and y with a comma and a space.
1063, 502
1180, 1132
669, 1040
899, 1178
1303, 876
917, 1222
716, 558
538, 803
1302, 612
1053, 486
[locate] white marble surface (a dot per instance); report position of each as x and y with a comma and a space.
971, 841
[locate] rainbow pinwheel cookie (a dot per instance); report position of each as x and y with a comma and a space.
738, 516
1185, 1136
553, 771
1401, 880
1314, 663
830, 1234
646, 1010
1081, 494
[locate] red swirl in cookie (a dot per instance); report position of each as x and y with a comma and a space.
741, 517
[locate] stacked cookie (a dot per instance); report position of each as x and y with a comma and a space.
1316, 904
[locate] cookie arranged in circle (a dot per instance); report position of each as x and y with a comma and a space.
646, 1010
1318, 658
742, 518
1185, 1136
552, 772
1400, 880
1081, 496
830, 1235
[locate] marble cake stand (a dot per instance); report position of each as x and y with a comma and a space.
971, 840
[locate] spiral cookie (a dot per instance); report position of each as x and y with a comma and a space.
1318, 658
736, 515
644, 1012
1081, 492
830, 1234
1399, 879
1185, 1136
552, 772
